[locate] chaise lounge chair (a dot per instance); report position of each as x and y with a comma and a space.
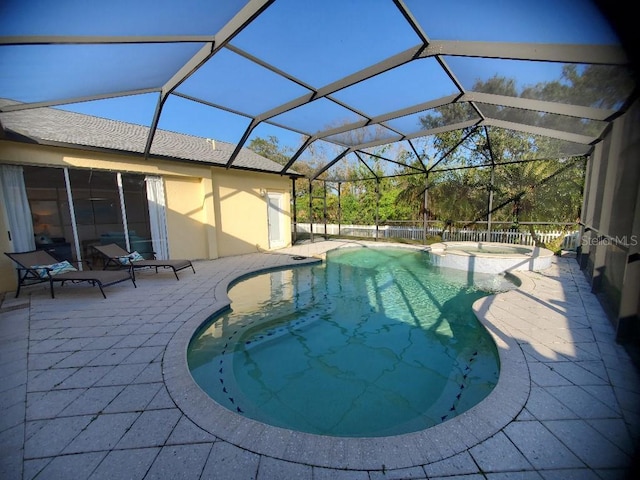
116, 256
38, 266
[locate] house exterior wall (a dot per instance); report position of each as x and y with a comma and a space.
8, 279
241, 205
211, 211
610, 247
187, 218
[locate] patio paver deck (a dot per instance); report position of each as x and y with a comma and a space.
93, 388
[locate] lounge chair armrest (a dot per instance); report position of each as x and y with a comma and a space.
35, 272
34, 269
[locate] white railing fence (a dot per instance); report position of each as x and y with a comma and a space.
570, 240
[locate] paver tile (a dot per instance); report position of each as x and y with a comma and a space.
540, 447
180, 462
152, 428
126, 464
102, 433
227, 461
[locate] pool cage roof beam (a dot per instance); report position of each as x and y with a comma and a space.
374, 155
243, 18
593, 54
577, 54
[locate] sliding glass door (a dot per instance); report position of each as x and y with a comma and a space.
102, 203
97, 208
134, 190
49, 205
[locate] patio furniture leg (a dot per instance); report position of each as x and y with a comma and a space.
101, 290
20, 279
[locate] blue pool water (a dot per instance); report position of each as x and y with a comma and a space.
372, 342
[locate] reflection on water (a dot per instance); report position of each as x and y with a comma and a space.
373, 342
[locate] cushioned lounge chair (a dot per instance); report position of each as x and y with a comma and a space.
116, 256
38, 266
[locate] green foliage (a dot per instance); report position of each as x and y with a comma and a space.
270, 148
536, 178
528, 191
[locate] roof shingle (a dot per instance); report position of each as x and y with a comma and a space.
78, 130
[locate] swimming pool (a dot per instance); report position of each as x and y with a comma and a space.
488, 248
490, 257
373, 342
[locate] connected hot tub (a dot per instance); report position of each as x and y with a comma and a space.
490, 257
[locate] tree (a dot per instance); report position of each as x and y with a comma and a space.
270, 148
530, 178
524, 189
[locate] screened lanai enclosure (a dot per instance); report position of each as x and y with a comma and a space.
460, 115
335, 82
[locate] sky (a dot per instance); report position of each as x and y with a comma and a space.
316, 46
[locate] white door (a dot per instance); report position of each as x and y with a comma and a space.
274, 217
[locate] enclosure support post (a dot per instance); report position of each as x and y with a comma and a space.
311, 210
324, 208
294, 215
490, 205
339, 211
425, 216
377, 205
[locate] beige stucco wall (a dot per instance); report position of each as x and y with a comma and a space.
186, 218
7, 272
211, 211
241, 210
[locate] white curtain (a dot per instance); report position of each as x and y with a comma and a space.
14, 195
157, 216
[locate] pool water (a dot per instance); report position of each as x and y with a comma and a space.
372, 342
